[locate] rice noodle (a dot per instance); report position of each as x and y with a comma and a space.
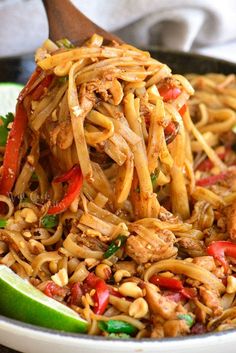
124, 180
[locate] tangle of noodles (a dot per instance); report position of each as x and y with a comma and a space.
124, 176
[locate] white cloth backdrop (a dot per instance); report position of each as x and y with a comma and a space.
205, 26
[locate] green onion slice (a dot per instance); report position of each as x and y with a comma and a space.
3, 223
188, 318
117, 326
115, 245
49, 221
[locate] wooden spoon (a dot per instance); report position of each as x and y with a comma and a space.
66, 21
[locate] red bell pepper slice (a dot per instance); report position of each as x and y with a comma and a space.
171, 131
207, 164
220, 249
169, 283
26, 90
76, 294
189, 292
40, 89
114, 292
174, 296
74, 179
182, 110
52, 289
198, 329
12, 152
173, 284
11, 157
91, 280
101, 295
169, 92
211, 180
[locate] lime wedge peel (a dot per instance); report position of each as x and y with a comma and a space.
9, 93
22, 301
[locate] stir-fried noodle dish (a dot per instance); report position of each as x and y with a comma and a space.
118, 191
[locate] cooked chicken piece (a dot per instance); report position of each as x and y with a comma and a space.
231, 221
211, 300
205, 261
65, 136
219, 272
203, 215
5, 238
173, 328
92, 243
192, 247
193, 282
61, 134
200, 315
158, 304
167, 216
157, 331
159, 246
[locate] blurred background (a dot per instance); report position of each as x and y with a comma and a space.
203, 26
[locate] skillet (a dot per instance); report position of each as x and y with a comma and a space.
31, 339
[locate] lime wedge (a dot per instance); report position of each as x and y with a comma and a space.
22, 301
8, 96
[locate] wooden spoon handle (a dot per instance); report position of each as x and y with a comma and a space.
66, 21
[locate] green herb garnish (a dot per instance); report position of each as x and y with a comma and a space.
115, 245
49, 221
4, 130
117, 326
65, 43
3, 223
188, 318
154, 177
62, 79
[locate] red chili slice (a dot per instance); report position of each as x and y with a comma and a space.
169, 92
101, 295
211, 180
75, 180
40, 89
76, 294
171, 131
11, 157
220, 249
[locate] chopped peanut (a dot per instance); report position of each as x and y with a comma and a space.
130, 289
121, 274
231, 285
29, 215
36, 247
139, 308
60, 278
103, 271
